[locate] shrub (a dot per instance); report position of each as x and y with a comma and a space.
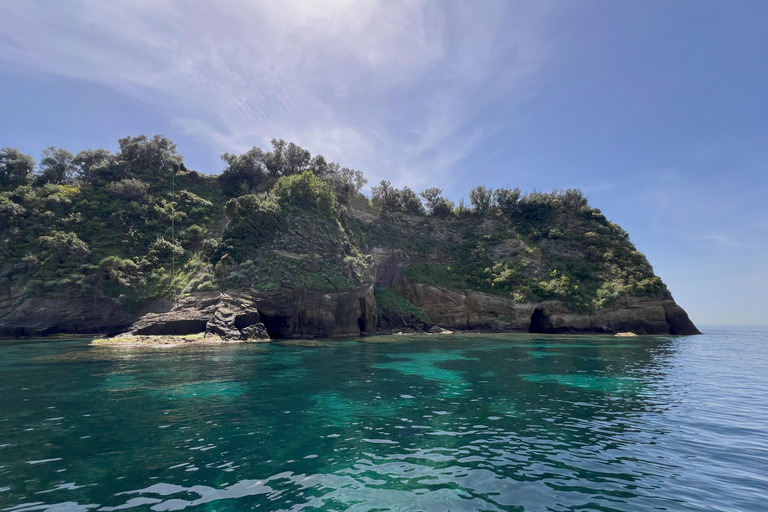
132, 188
254, 220
66, 247
163, 250
432, 273
306, 191
389, 300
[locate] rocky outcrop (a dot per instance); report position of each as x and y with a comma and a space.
454, 309
639, 315
392, 322
306, 313
470, 310
467, 310
228, 316
10, 297
42, 316
252, 315
248, 314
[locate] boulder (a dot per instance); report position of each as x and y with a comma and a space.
237, 320
225, 315
255, 332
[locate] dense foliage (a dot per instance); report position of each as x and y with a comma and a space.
391, 303
137, 225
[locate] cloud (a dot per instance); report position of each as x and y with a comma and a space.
719, 240
393, 88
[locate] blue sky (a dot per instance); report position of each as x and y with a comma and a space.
657, 110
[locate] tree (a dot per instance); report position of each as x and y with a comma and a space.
319, 166
481, 199
162, 250
506, 200
534, 212
461, 209
15, 166
573, 199
410, 202
88, 161
248, 169
297, 160
142, 152
287, 159
431, 195
442, 207
352, 179
275, 159
437, 205
386, 197
57, 166
343, 180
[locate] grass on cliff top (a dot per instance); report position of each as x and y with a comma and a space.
391, 301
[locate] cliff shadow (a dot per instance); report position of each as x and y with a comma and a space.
276, 325
361, 318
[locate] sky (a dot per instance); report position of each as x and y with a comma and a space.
657, 110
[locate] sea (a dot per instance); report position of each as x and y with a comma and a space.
461, 422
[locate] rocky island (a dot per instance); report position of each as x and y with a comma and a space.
284, 245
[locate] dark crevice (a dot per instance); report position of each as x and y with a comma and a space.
174, 327
540, 322
361, 318
277, 326
243, 321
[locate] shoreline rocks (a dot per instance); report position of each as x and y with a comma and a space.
252, 315
166, 340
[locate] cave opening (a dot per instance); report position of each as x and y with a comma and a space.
247, 319
361, 318
277, 326
539, 322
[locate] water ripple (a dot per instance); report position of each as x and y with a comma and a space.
492, 423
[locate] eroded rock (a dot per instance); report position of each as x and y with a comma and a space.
223, 315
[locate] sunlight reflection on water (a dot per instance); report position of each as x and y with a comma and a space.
482, 422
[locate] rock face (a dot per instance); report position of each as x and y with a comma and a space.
469, 310
257, 315
390, 322
305, 313
41, 316
251, 315
639, 315
230, 317
454, 309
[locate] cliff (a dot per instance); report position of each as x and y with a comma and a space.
283, 245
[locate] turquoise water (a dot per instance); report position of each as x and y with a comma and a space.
433, 423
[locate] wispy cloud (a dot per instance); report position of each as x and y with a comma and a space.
393, 88
718, 240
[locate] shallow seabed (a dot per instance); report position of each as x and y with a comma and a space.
433, 423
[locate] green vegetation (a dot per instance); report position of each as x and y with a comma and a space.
137, 225
392, 302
